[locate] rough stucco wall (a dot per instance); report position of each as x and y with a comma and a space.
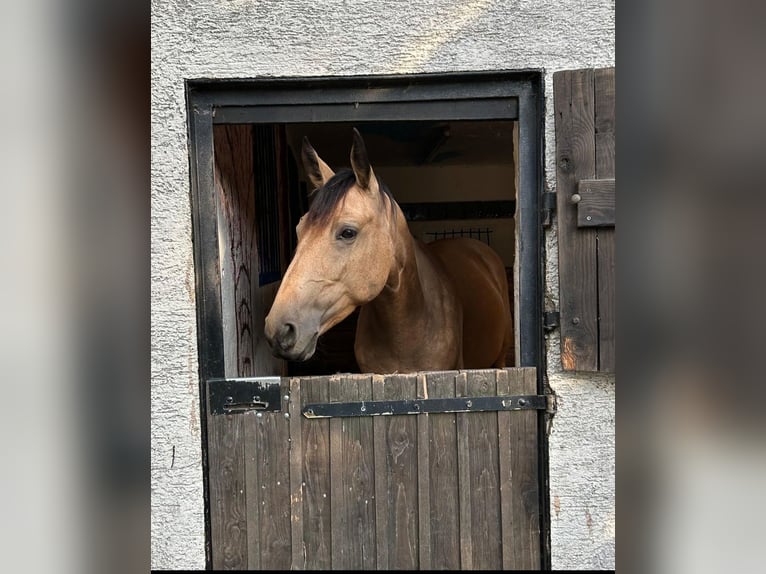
248, 38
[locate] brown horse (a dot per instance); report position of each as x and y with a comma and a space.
437, 306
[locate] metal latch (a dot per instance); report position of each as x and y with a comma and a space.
241, 395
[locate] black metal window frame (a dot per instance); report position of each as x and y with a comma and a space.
495, 95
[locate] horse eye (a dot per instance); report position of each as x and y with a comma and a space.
348, 233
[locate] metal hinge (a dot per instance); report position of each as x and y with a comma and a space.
424, 406
551, 320
551, 405
231, 396
548, 207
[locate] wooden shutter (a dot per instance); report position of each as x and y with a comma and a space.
584, 103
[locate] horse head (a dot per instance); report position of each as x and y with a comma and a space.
344, 256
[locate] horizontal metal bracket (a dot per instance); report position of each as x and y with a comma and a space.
231, 396
424, 406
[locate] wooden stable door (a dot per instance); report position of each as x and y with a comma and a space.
356, 490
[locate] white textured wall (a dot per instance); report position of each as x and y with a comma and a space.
249, 38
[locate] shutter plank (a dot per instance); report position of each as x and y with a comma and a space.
575, 160
605, 137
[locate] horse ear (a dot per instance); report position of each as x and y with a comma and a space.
360, 163
317, 170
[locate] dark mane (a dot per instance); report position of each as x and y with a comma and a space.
329, 196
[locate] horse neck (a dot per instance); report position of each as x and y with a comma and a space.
402, 299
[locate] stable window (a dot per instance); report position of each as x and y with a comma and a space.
461, 154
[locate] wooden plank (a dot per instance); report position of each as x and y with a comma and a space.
484, 486
504, 462
443, 473
317, 531
228, 526
604, 121
273, 457
396, 469
298, 560
575, 160
352, 480
605, 150
252, 491
606, 300
381, 481
524, 488
464, 477
596, 206
424, 480
235, 187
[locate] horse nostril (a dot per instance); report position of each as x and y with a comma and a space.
287, 336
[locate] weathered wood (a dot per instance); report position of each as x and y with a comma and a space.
273, 468
424, 480
228, 526
604, 121
435, 491
443, 473
235, 187
398, 475
605, 149
606, 300
298, 560
381, 482
464, 476
317, 531
525, 493
484, 485
252, 490
352, 479
504, 463
575, 160
596, 206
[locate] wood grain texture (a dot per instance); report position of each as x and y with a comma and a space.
443, 473
575, 160
504, 463
235, 187
525, 493
605, 168
273, 468
228, 520
317, 531
252, 491
424, 479
352, 479
437, 491
397, 473
298, 560
464, 476
596, 206
484, 486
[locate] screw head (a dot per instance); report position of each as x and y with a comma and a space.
286, 397
588, 217
287, 415
575, 320
259, 415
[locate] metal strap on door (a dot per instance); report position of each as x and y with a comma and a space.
424, 406
231, 396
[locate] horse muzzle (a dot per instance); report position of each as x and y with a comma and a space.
288, 340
